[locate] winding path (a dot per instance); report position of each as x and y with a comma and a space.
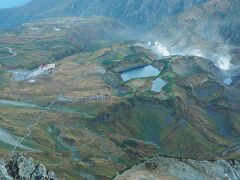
36, 121
233, 149
30, 127
10, 50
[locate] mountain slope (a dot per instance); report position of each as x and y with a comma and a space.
144, 14
215, 21
86, 119
196, 115
220, 18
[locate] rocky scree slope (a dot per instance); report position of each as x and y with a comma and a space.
187, 169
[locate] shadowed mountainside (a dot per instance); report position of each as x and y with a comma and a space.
143, 14
215, 21
221, 17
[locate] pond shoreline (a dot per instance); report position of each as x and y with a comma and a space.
133, 68
140, 72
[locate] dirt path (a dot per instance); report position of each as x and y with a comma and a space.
30, 127
233, 149
36, 121
8, 138
10, 50
16, 103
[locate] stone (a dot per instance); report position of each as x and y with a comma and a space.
151, 165
3, 171
40, 173
25, 167
21, 167
51, 175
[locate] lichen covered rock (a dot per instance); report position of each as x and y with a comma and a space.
21, 167
3, 171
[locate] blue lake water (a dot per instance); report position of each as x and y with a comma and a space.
141, 72
228, 81
12, 3
157, 85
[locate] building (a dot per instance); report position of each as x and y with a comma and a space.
42, 68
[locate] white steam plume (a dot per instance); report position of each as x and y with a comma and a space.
224, 62
158, 48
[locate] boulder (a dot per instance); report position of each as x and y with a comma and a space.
3, 171
40, 173
21, 167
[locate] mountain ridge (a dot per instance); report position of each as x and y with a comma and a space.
126, 11
141, 15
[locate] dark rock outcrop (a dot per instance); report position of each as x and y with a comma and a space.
21, 167
3, 171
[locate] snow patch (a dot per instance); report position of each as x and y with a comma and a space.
31, 81
56, 29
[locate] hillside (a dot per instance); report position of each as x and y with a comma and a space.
53, 39
84, 118
103, 89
